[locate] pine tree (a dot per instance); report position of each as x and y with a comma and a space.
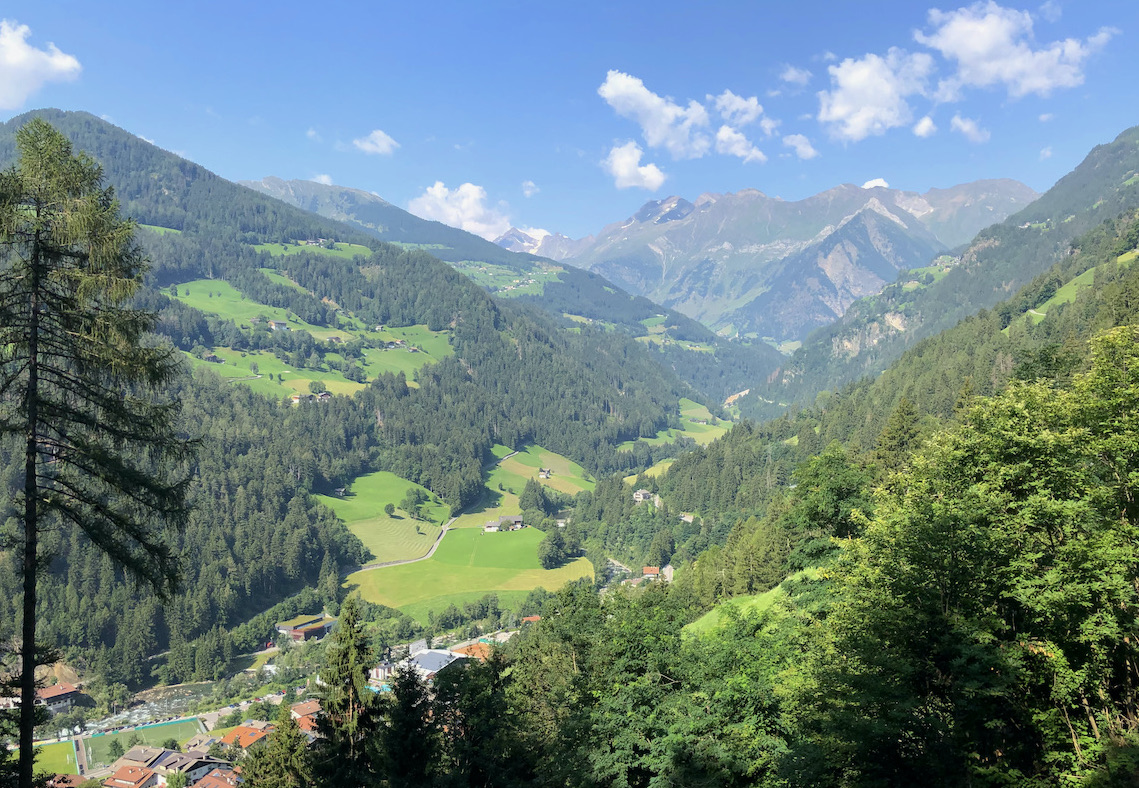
283, 759
76, 380
351, 711
409, 743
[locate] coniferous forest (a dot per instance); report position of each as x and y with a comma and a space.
924, 576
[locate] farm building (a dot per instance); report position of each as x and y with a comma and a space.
302, 628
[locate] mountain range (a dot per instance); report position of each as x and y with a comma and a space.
754, 266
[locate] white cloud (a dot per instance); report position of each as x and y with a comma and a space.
796, 76
969, 127
325, 179
376, 142
464, 207
737, 110
731, 142
993, 45
868, 95
146, 139
313, 134
624, 164
25, 69
801, 145
875, 183
664, 123
1051, 11
1046, 152
1047, 116
769, 125
925, 127
537, 233
529, 188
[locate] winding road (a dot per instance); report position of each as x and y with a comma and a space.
438, 539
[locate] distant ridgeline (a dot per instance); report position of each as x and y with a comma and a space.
514, 377
1001, 259
705, 360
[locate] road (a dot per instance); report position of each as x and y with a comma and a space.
439, 538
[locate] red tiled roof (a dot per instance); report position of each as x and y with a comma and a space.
218, 778
650, 570
129, 777
54, 691
244, 736
66, 781
307, 723
305, 708
531, 619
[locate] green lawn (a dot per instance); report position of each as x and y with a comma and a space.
509, 282
388, 538
654, 470
55, 758
346, 251
471, 563
714, 618
1071, 289
98, 747
507, 600
286, 379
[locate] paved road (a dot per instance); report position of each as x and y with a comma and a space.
439, 538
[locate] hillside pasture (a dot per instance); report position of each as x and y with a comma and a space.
471, 563
690, 414
342, 250
566, 475
388, 538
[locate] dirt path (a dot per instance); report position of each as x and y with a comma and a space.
442, 531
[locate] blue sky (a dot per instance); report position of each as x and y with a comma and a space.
567, 117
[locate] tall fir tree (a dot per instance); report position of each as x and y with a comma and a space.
409, 742
351, 710
77, 377
283, 760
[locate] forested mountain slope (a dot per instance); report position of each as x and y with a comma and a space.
255, 538
999, 261
716, 367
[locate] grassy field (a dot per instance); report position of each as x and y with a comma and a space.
507, 600
55, 758
654, 470
388, 538
98, 747
506, 281
346, 251
274, 275
566, 475
154, 228
468, 562
745, 605
219, 298
690, 413
1072, 289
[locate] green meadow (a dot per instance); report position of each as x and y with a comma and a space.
346, 251
1071, 289
468, 564
566, 475
388, 538
274, 275
690, 413
99, 747
509, 282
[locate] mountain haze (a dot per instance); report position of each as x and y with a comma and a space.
757, 266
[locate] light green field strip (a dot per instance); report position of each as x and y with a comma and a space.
388, 538
160, 230
1071, 290
346, 251
703, 434
286, 380
654, 470
507, 600
276, 276
714, 618
468, 562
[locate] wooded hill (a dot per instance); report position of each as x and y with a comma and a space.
1001, 259
254, 537
717, 367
